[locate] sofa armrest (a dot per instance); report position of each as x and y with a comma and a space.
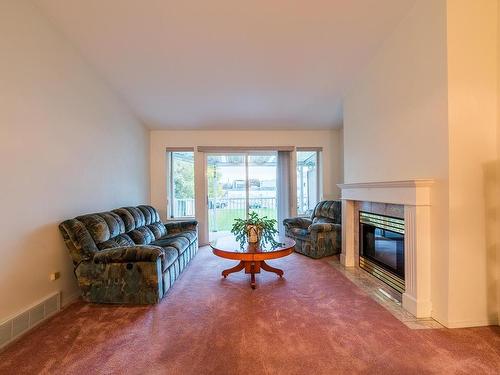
323, 227
129, 254
180, 226
297, 222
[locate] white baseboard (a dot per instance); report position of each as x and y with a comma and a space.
470, 323
67, 300
420, 309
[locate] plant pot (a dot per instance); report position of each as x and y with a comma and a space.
254, 233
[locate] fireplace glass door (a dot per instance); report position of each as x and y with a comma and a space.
382, 246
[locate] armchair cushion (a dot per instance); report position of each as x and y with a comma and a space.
129, 254
300, 232
297, 222
323, 227
322, 220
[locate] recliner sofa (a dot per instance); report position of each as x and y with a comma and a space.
128, 255
320, 235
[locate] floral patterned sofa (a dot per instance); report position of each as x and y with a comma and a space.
320, 235
128, 255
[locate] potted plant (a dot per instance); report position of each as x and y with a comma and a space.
255, 230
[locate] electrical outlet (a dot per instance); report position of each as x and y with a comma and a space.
54, 276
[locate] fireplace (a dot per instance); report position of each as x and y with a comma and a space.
381, 248
414, 198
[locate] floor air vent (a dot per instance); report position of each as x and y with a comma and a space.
21, 323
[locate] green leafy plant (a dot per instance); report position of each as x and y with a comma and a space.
264, 224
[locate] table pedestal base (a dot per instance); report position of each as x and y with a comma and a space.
252, 267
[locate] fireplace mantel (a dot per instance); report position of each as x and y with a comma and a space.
408, 192
415, 195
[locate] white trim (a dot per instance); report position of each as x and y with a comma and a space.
409, 192
349, 248
179, 149
470, 323
420, 309
388, 184
312, 148
319, 178
247, 187
242, 149
170, 183
66, 301
201, 195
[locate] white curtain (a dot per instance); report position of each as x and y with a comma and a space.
283, 187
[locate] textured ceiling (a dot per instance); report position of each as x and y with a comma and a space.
228, 64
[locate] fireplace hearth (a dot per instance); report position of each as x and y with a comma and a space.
381, 248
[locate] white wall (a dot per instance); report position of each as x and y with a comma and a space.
472, 109
497, 193
425, 107
395, 122
67, 147
330, 140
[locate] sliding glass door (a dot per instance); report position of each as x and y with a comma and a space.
238, 183
262, 184
226, 188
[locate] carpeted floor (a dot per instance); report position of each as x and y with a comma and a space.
314, 321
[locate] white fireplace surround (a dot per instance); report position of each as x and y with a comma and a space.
415, 196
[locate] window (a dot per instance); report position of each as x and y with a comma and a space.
180, 184
308, 181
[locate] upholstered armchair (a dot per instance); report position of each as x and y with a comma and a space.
320, 235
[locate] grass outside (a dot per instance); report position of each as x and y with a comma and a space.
221, 219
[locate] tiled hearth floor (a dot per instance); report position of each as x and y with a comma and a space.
384, 295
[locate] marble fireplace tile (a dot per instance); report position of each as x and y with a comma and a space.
395, 210
384, 295
364, 206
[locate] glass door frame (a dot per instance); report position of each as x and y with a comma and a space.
246, 153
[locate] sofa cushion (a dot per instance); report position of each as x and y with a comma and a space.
179, 242
118, 241
97, 227
158, 229
142, 235
127, 218
190, 235
78, 240
115, 223
150, 214
138, 216
170, 257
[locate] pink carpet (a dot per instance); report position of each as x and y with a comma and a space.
314, 321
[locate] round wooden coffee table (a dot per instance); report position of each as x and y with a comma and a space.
252, 257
